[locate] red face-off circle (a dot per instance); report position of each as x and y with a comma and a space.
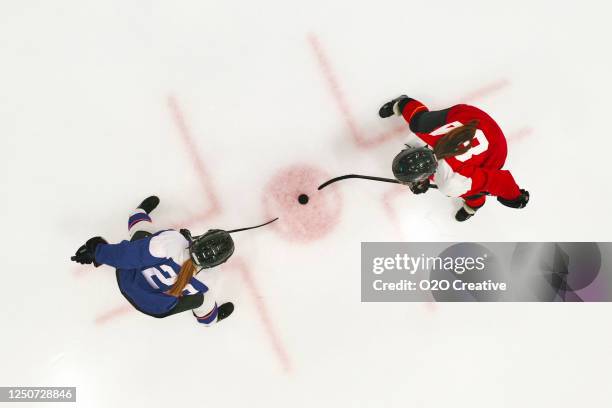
305, 214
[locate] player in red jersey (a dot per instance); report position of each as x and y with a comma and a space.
464, 156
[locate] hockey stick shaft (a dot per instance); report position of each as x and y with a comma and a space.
360, 176
256, 226
386, 180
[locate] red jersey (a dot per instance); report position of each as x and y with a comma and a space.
479, 169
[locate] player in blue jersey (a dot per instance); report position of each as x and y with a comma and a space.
164, 272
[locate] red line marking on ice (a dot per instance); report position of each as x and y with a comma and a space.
334, 86
202, 174
387, 199
486, 90
216, 209
213, 210
357, 134
196, 219
113, 313
188, 140
363, 141
263, 313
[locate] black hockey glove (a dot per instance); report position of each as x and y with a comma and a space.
420, 187
519, 202
86, 253
187, 234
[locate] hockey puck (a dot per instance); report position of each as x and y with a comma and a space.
303, 199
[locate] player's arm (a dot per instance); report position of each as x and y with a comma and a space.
419, 117
141, 253
124, 255
127, 254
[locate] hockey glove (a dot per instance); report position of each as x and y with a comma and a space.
187, 234
86, 254
420, 187
519, 202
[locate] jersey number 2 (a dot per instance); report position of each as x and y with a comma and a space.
163, 279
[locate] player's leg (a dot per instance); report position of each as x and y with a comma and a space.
139, 226
185, 302
204, 305
208, 311
140, 223
470, 206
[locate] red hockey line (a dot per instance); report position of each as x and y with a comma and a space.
214, 209
334, 86
341, 101
189, 141
263, 313
188, 222
203, 176
485, 91
113, 313
387, 203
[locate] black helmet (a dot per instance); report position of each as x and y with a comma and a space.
214, 247
414, 164
211, 249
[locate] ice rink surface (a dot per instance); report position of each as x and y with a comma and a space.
227, 110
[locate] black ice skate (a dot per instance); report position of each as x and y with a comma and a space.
463, 214
224, 311
387, 109
149, 204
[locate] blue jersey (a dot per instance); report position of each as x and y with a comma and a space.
148, 267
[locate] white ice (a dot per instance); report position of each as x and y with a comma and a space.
86, 132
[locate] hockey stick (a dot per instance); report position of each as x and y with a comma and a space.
359, 176
230, 231
386, 180
256, 226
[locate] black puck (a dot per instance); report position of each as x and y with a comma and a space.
303, 199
